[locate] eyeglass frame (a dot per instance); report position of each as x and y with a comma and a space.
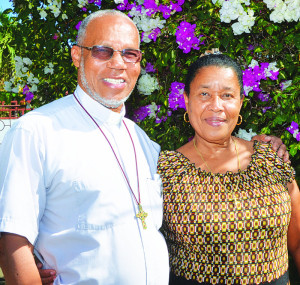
114, 50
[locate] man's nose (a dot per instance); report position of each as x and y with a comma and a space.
117, 61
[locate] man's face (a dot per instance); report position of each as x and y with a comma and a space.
109, 82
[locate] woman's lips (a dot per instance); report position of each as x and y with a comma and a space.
215, 122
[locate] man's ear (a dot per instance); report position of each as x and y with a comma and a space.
76, 55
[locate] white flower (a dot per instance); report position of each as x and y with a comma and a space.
247, 89
295, 133
33, 88
243, 134
82, 3
24, 69
48, 70
7, 86
119, 1
147, 84
27, 61
272, 66
64, 16
152, 108
55, 11
31, 79
18, 59
284, 84
253, 63
15, 90
276, 16
237, 28
35, 80
43, 13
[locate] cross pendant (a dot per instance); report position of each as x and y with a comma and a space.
142, 216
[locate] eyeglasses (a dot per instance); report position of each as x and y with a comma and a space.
106, 53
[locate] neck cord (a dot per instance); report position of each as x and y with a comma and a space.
141, 214
238, 159
236, 150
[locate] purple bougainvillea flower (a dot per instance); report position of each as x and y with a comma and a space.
294, 130
149, 67
29, 96
264, 109
165, 10
151, 7
55, 37
78, 25
185, 37
84, 9
176, 98
250, 47
25, 89
263, 97
274, 75
154, 34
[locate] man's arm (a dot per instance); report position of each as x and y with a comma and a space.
17, 261
277, 145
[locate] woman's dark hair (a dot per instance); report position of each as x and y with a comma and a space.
220, 60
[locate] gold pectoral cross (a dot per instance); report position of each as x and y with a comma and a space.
142, 215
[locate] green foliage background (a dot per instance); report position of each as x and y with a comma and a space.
25, 34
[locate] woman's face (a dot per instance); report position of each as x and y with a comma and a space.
214, 103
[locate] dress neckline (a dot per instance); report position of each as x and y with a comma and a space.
192, 167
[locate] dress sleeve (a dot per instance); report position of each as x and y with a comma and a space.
283, 170
163, 166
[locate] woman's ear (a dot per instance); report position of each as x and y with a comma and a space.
186, 100
76, 55
242, 100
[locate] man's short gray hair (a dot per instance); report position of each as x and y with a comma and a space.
101, 13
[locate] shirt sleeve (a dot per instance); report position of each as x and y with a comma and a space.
22, 191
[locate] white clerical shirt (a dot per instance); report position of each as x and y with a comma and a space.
62, 188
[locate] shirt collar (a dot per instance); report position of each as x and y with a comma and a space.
97, 110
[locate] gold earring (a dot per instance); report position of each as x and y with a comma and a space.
185, 118
240, 116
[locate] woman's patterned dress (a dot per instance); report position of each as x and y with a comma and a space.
227, 228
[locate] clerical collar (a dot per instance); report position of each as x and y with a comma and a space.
98, 111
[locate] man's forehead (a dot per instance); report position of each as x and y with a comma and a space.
112, 29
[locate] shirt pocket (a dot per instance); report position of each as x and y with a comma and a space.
154, 187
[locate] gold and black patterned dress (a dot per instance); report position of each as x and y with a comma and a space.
218, 233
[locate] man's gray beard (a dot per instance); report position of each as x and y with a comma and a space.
108, 103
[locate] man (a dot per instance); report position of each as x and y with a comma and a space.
78, 180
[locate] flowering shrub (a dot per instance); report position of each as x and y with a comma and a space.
260, 35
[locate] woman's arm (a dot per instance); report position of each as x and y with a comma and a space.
294, 227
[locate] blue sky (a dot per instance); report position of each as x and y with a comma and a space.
5, 4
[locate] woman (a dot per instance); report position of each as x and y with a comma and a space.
231, 207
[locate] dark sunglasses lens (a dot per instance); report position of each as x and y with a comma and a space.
131, 55
103, 53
